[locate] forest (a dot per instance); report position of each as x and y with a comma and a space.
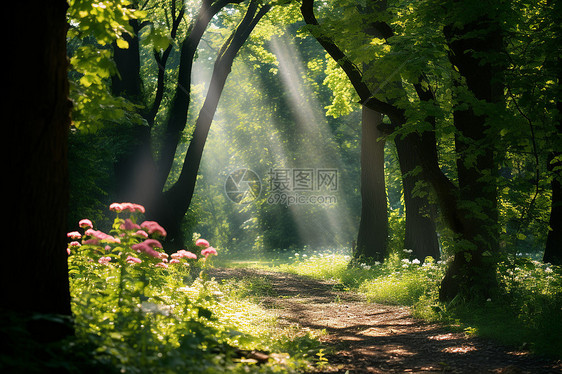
284, 186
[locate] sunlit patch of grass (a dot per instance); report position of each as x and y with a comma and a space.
250, 287
394, 289
240, 307
322, 266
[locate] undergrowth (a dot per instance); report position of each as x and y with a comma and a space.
136, 309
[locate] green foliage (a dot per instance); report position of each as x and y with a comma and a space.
94, 27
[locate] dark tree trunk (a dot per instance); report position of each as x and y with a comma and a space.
135, 169
472, 270
35, 278
397, 117
128, 83
420, 233
372, 238
179, 106
553, 248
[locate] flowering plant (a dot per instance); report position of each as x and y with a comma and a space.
125, 287
128, 243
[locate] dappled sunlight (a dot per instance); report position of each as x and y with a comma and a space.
315, 137
460, 349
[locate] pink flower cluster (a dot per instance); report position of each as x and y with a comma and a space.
130, 229
153, 228
182, 253
207, 249
133, 260
148, 247
130, 207
85, 224
98, 236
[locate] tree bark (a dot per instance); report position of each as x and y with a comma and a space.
553, 248
420, 234
35, 278
135, 168
372, 238
415, 224
472, 270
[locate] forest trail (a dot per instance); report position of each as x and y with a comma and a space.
374, 338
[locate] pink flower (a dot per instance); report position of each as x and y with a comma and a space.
182, 253
148, 247
129, 225
174, 261
68, 250
209, 251
92, 241
141, 233
153, 227
133, 260
74, 235
104, 260
162, 265
102, 236
85, 223
74, 244
116, 207
131, 207
202, 243
153, 243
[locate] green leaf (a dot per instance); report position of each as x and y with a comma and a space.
123, 44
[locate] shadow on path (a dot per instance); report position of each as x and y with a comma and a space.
374, 338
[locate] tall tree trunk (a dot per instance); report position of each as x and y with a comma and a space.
128, 83
372, 238
420, 234
553, 248
139, 176
135, 168
378, 29
472, 270
35, 279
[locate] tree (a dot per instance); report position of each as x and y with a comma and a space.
39, 117
553, 247
372, 236
473, 264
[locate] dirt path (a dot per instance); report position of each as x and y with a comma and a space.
374, 338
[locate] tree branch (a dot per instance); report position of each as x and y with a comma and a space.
354, 74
